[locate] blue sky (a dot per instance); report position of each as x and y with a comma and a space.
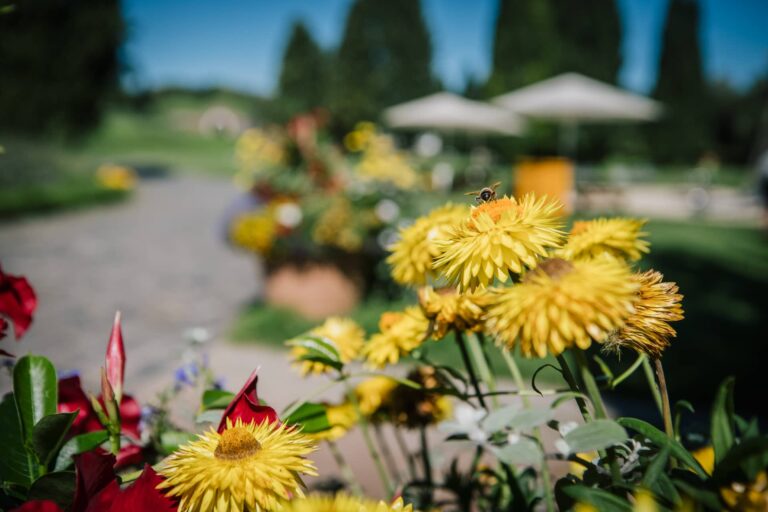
239, 43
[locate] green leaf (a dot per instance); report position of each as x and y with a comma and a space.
319, 345
209, 416
529, 418
661, 439
312, 417
216, 399
49, 434
77, 445
58, 486
524, 451
704, 497
17, 465
595, 435
751, 456
36, 390
499, 419
319, 358
656, 467
170, 440
598, 498
567, 396
721, 429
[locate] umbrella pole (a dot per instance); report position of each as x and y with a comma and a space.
569, 138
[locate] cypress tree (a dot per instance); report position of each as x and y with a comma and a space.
384, 58
588, 38
59, 64
683, 134
302, 77
523, 45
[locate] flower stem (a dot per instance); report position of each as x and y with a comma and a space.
368, 440
590, 384
346, 470
571, 380
480, 355
653, 385
546, 479
427, 464
385, 452
405, 452
468, 364
666, 410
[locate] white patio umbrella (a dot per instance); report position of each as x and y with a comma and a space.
449, 113
572, 99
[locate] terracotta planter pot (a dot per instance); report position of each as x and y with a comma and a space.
315, 290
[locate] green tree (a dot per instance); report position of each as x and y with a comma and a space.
523, 45
59, 64
384, 58
684, 132
588, 38
302, 77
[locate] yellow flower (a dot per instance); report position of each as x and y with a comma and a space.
577, 469
380, 160
254, 231
501, 236
258, 149
344, 503
561, 304
414, 253
751, 497
374, 394
246, 467
401, 333
342, 417
647, 330
644, 502
116, 177
336, 227
448, 309
346, 335
414, 408
618, 237
706, 457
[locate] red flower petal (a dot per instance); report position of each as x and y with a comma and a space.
94, 472
143, 495
245, 406
38, 506
72, 398
116, 358
130, 455
17, 302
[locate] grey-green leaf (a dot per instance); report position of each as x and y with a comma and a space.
595, 435
524, 452
529, 418
36, 390
500, 418
49, 434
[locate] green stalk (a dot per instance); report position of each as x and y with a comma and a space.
346, 470
470, 370
385, 452
427, 464
571, 380
624, 376
652, 384
666, 410
405, 452
590, 384
545, 476
368, 440
477, 348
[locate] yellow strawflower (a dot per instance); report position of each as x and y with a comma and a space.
400, 333
501, 236
644, 502
344, 503
382, 162
414, 253
751, 497
374, 394
247, 467
561, 304
255, 231
647, 330
415, 408
341, 417
706, 457
449, 309
335, 227
257, 149
116, 177
618, 237
346, 335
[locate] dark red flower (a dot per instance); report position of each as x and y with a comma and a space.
94, 472
72, 398
38, 506
17, 303
246, 406
116, 358
140, 495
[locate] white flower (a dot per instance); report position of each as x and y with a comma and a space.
513, 438
565, 428
466, 420
289, 214
563, 447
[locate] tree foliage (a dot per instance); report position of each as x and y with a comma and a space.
303, 75
59, 64
684, 132
384, 58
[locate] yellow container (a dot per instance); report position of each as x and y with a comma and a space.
553, 177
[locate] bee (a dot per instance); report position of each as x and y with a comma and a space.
485, 195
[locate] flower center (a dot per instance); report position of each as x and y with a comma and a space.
236, 443
554, 268
495, 209
388, 319
579, 227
